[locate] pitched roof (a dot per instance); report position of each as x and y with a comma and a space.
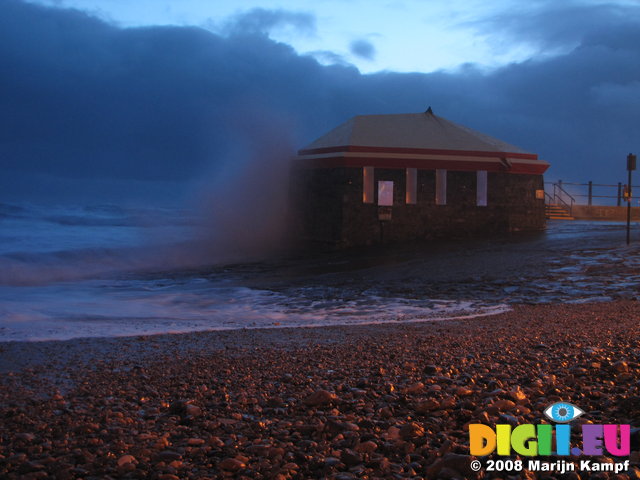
410, 130
416, 140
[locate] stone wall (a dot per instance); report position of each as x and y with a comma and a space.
330, 211
599, 212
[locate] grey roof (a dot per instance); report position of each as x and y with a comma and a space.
410, 130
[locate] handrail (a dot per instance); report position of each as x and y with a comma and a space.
587, 184
585, 193
594, 196
548, 196
558, 191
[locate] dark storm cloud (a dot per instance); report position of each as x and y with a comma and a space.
260, 20
83, 99
548, 24
577, 108
328, 57
363, 49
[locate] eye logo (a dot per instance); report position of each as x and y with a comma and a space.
563, 412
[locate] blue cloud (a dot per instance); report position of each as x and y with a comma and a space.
260, 20
363, 49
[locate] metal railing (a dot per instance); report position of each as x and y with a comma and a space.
560, 196
585, 193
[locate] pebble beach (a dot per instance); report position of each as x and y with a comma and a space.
369, 401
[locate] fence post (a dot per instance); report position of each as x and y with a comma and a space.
590, 192
631, 165
619, 193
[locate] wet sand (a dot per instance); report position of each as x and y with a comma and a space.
376, 401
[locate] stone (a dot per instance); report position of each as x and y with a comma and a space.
192, 410
415, 389
320, 397
620, 366
503, 405
367, 447
124, 459
427, 406
169, 455
517, 394
453, 462
410, 431
231, 464
350, 458
463, 391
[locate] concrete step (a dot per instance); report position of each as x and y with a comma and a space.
557, 212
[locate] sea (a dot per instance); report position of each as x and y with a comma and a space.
105, 271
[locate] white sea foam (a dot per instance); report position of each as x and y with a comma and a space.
102, 309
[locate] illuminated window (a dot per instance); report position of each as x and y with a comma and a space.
367, 184
441, 187
481, 188
412, 186
385, 193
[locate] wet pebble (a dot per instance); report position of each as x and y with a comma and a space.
320, 397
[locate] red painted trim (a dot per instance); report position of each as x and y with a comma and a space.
418, 151
528, 168
458, 165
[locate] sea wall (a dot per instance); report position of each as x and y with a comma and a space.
598, 212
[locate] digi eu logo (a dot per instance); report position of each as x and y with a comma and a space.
546, 439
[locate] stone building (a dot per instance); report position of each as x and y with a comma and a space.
390, 178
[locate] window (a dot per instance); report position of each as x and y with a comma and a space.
411, 196
481, 188
385, 193
367, 184
441, 187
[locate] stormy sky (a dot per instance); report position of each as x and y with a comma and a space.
89, 107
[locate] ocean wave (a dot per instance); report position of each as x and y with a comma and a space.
146, 307
25, 268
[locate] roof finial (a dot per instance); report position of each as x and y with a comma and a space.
429, 110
